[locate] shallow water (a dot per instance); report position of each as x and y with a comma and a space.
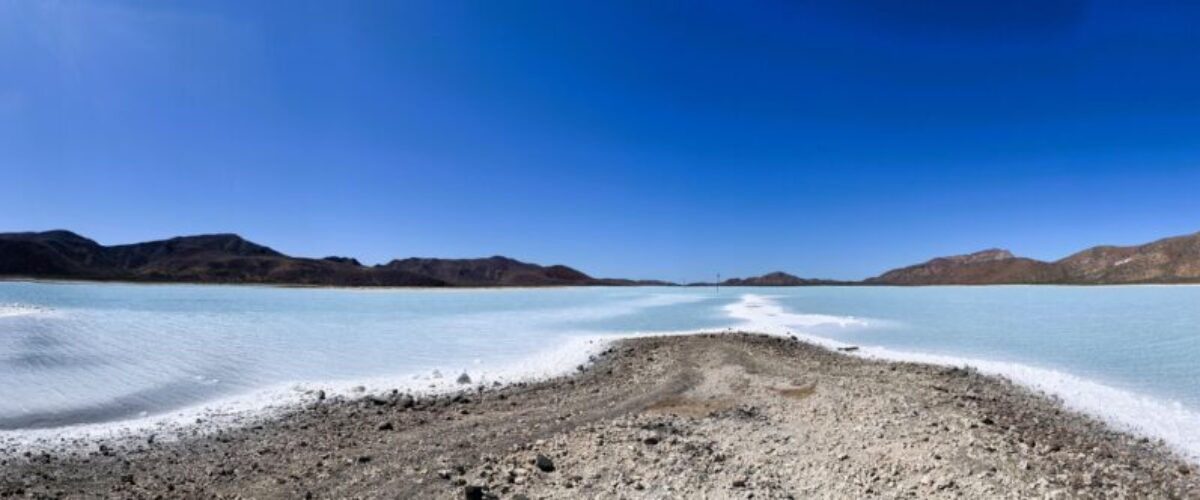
90, 353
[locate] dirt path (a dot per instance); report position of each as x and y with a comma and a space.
708, 416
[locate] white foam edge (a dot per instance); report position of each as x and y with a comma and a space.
16, 309
1145, 416
264, 404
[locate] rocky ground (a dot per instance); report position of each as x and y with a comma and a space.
704, 416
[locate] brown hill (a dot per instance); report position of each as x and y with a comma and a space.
492, 271
993, 266
776, 279
228, 258
1171, 260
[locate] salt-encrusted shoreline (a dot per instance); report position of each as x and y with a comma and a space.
719, 415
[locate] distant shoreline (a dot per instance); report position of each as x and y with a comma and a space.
56, 281
75, 281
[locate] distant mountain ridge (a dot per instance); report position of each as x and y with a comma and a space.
1169, 260
491, 271
229, 258
993, 266
778, 278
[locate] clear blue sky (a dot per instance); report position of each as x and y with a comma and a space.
637, 139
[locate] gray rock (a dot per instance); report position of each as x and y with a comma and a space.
544, 463
464, 379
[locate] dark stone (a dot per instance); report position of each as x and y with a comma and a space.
475, 492
543, 463
405, 401
464, 379
386, 426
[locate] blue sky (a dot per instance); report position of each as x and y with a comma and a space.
635, 139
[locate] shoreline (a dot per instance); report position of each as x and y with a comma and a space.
741, 413
1138, 414
1151, 416
301, 286
265, 404
68, 281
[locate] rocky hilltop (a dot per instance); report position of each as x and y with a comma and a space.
777, 278
492, 271
1170, 260
228, 258
981, 268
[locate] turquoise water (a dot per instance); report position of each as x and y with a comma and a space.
74, 354
1142, 338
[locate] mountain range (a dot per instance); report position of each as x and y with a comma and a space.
229, 258
1169, 260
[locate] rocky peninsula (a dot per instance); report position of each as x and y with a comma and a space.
728, 415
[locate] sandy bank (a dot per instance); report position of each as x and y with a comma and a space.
729, 415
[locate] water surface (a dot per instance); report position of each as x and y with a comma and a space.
90, 353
